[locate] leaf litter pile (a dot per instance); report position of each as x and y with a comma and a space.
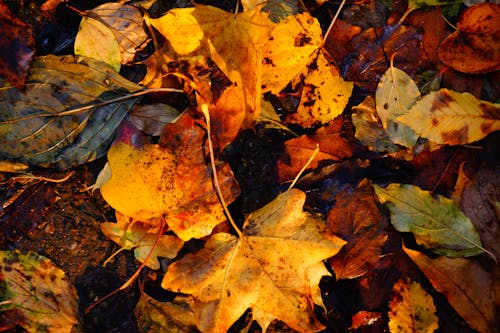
256, 166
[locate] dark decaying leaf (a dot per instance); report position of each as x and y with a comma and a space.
16, 47
357, 219
36, 127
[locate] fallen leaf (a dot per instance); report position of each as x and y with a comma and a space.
115, 28
332, 147
339, 37
170, 180
175, 316
411, 309
153, 117
278, 9
364, 318
479, 201
449, 117
130, 234
369, 129
16, 47
356, 218
40, 290
324, 93
38, 127
233, 42
466, 285
475, 47
266, 269
435, 221
396, 94
369, 50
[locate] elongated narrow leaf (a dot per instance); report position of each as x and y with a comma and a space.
466, 285
38, 126
436, 221
32, 284
453, 118
395, 94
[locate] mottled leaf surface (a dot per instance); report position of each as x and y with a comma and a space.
38, 126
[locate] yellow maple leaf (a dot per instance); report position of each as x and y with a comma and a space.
233, 42
274, 269
170, 181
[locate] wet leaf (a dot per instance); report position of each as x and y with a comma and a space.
233, 42
411, 309
16, 47
113, 33
152, 118
40, 290
38, 127
165, 317
436, 221
332, 147
265, 269
449, 117
396, 94
356, 218
130, 234
170, 180
369, 129
466, 285
475, 47
364, 318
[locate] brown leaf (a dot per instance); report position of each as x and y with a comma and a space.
357, 218
338, 39
364, 318
466, 285
479, 202
16, 47
475, 47
332, 147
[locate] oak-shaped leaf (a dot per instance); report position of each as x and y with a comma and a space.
42, 126
356, 218
332, 147
39, 289
234, 43
475, 47
411, 309
141, 237
274, 269
112, 33
453, 118
396, 94
435, 221
467, 286
169, 180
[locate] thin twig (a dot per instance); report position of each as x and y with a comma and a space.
204, 110
333, 22
313, 155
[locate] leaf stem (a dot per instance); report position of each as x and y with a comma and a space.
333, 22
204, 110
313, 155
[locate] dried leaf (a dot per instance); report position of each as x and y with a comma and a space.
332, 147
152, 118
475, 47
170, 180
233, 42
364, 318
40, 290
16, 47
466, 285
265, 269
130, 234
165, 317
453, 118
436, 221
115, 28
278, 9
395, 95
411, 309
38, 126
355, 217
